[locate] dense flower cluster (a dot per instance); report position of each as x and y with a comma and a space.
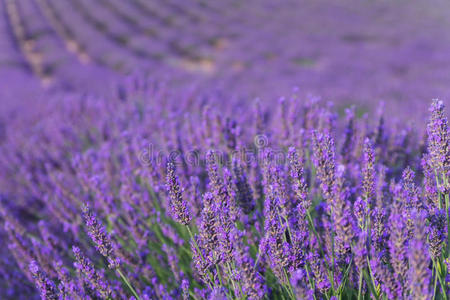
223, 205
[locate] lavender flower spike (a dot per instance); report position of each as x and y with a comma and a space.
46, 287
178, 205
419, 261
208, 227
298, 176
436, 233
252, 283
324, 160
438, 137
369, 174
92, 277
100, 237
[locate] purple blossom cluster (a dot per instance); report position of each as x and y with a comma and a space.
327, 207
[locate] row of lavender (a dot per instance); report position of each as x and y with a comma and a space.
55, 42
352, 51
143, 196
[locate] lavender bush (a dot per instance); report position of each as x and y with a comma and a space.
132, 200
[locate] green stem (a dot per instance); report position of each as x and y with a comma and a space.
239, 283
128, 284
370, 285
344, 280
311, 283
257, 258
437, 186
435, 285
230, 275
444, 291
332, 256
360, 285
193, 295
289, 286
311, 224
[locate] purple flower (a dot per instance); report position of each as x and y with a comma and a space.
430, 191
215, 181
319, 272
208, 228
298, 176
67, 286
379, 234
178, 206
398, 245
232, 211
420, 276
230, 133
410, 190
299, 282
368, 183
94, 278
185, 289
45, 286
274, 239
299, 235
360, 251
244, 191
349, 135
324, 161
174, 262
438, 138
342, 218
217, 294
436, 233
252, 283
101, 239
200, 261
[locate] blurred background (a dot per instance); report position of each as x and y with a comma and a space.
349, 52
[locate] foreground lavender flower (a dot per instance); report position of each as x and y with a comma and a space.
208, 229
178, 205
277, 246
46, 287
398, 246
298, 176
342, 218
430, 190
438, 138
185, 289
299, 283
436, 233
252, 283
419, 278
100, 238
324, 159
245, 193
96, 281
369, 175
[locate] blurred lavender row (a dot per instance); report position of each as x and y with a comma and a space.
351, 51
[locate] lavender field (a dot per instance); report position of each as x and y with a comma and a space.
245, 150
